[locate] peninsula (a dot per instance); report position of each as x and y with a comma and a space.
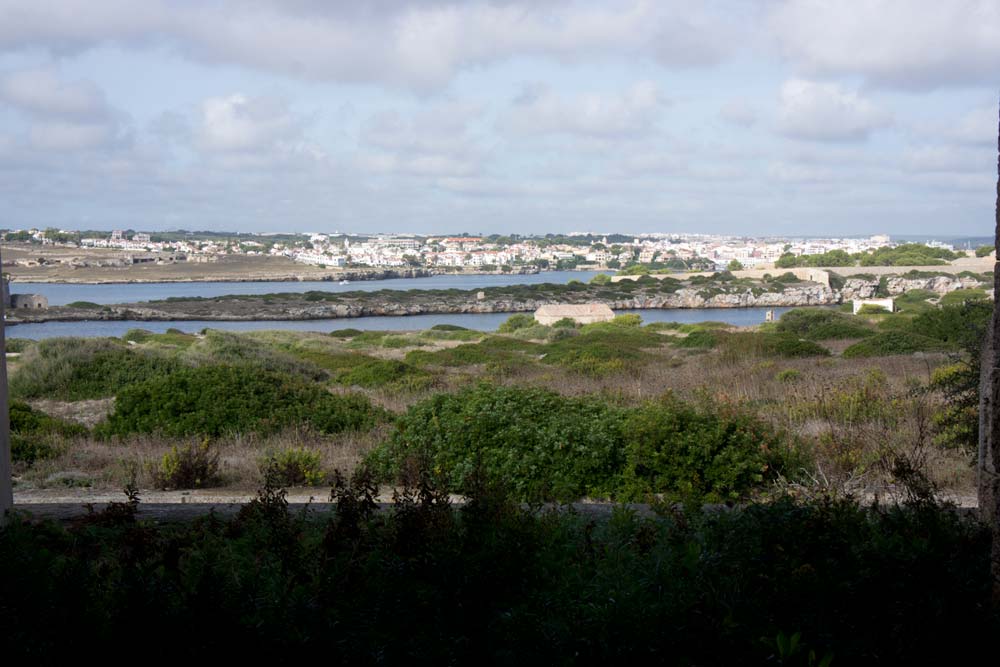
718, 290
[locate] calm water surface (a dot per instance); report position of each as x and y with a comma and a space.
61, 294
479, 321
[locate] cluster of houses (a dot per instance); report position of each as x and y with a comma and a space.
393, 250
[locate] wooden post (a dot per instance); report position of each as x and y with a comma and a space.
988, 465
6, 482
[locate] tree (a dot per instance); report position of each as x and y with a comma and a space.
734, 265
988, 465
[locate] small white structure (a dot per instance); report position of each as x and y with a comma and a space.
886, 304
585, 313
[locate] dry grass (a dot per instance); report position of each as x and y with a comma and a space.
110, 465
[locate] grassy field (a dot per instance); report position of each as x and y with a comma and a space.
831, 402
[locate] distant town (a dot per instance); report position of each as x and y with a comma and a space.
662, 252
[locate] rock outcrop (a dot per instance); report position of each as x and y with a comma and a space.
868, 288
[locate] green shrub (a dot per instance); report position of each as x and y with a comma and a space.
188, 467
35, 435
914, 301
872, 309
984, 250
449, 327
293, 467
345, 333
788, 375
702, 340
601, 279
955, 325
376, 373
137, 335
217, 400
565, 323
602, 348
538, 443
73, 369
536, 332
628, 320
490, 349
742, 345
466, 335
822, 324
960, 296
227, 348
893, 342
18, 345
515, 322
86, 305
705, 453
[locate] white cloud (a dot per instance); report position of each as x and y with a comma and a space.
241, 123
42, 90
949, 159
978, 126
420, 45
434, 142
826, 112
542, 111
69, 136
905, 43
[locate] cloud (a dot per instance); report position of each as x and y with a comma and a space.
63, 115
826, 112
41, 90
949, 159
540, 110
419, 45
739, 112
68, 136
437, 141
918, 44
240, 123
978, 126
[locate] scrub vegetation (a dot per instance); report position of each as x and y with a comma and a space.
820, 401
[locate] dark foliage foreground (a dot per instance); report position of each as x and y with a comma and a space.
783, 583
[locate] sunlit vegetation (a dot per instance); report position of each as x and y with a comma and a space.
795, 388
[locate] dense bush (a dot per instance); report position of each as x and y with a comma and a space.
541, 444
492, 349
957, 326
496, 584
741, 345
216, 400
544, 446
35, 435
391, 373
822, 324
345, 333
293, 467
893, 342
698, 452
984, 250
603, 348
18, 345
188, 466
224, 347
515, 322
73, 369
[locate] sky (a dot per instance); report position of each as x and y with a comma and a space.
767, 117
